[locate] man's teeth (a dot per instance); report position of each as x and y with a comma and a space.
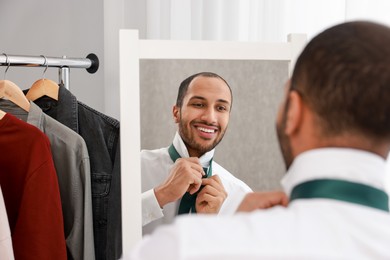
206, 130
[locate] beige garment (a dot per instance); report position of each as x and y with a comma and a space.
6, 250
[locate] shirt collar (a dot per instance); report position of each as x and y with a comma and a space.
35, 116
67, 109
181, 148
10, 107
336, 163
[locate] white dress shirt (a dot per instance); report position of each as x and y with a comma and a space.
155, 168
307, 229
6, 250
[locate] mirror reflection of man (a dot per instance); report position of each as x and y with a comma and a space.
183, 178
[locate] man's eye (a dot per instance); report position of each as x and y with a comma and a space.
197, 105
222, 108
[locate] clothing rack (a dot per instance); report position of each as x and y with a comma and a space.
90, 63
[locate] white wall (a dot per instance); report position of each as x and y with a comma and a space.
120, 14
253, 20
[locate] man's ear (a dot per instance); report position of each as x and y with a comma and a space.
176, 113
294, 113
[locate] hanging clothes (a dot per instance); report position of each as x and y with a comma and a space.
31, 193
101, 134
6, 250
70, 156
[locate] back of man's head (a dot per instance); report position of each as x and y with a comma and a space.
343, 75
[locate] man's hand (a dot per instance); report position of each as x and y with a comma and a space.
185, 175
211, 196
262, 200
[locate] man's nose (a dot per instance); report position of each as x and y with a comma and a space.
209, 115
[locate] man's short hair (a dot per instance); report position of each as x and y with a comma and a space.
343, 74
185, 83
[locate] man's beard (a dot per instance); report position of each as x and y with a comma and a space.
191, 142
284, 141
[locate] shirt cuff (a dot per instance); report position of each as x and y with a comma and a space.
150, 208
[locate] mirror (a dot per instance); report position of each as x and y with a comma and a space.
249, 149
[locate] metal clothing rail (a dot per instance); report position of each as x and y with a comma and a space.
90, 63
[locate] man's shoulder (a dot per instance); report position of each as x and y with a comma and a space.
156, 152
222, 172
153, 155
228, 178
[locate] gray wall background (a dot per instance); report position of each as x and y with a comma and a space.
249, 149
55, 28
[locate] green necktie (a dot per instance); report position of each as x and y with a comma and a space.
342, 190
187, 202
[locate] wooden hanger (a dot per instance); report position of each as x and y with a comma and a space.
43, 87
12, 92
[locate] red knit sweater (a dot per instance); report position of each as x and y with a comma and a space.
30, 189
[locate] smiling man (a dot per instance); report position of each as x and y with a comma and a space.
334, 132
183, 178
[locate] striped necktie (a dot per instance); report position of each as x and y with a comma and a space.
342, 190
187, 202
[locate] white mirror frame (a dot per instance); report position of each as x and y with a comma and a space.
131, 51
